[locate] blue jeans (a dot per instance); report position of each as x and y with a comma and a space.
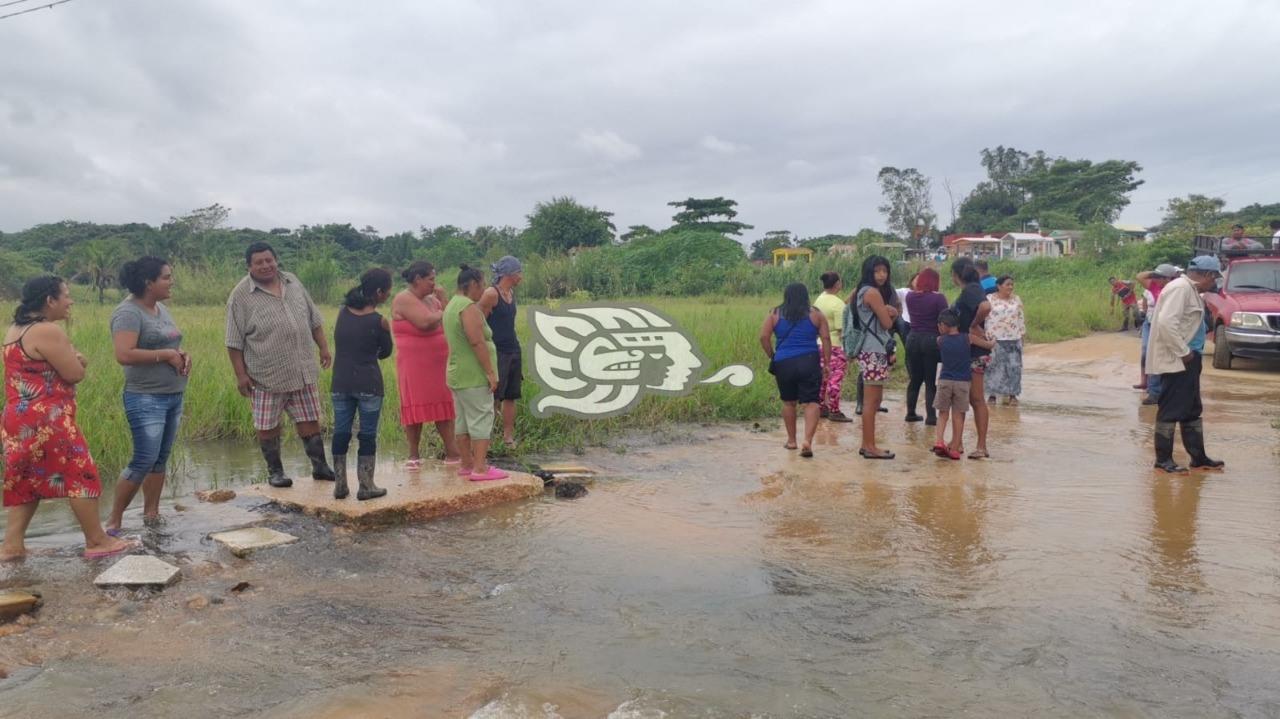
345, 407
153, 420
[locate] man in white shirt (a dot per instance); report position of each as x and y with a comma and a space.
1177, 341
1275, 236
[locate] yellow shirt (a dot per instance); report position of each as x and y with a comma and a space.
832, 308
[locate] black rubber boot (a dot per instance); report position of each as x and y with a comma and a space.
340, 490
1193, 441
364, 472
857, 402
275, 468
315, 452
1164, 449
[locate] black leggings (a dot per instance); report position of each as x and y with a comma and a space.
922, 366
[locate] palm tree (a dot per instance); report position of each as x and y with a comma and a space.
98, 259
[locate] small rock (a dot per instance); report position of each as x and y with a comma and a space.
215, 495
25, 620
179, 507
197, 602
240, 587
4, 673
569, 490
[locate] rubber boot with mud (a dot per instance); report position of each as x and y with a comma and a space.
1164, 449
275, 468
340, 490
364, 472
1193, 441
315, 452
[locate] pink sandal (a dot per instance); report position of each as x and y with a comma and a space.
464, 472
491, 474
104, 553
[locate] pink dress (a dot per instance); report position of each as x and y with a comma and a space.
421, 359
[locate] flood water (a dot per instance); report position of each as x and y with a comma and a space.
710, 573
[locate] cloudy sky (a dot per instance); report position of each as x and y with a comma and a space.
400, 113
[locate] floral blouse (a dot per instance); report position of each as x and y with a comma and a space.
1006, 321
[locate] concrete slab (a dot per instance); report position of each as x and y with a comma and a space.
243, 542
138, 570
412, 495
15, 603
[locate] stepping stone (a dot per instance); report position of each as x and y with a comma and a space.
243, 542
138, 570
563, 470
13, 604
433, 491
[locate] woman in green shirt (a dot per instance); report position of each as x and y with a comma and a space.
471, 375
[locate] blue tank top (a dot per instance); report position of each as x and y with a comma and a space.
800, 341
502, 322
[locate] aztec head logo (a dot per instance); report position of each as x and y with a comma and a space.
599, 360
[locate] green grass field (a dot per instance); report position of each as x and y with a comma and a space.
726, 328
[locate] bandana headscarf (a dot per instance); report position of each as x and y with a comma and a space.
506, 266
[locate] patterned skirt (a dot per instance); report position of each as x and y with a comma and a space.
1004, 374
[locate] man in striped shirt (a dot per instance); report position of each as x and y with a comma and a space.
271, 325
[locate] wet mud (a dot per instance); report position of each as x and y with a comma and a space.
711, 573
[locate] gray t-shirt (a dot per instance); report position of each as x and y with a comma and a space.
155, 332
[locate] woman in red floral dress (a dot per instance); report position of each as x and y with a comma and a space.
45, 455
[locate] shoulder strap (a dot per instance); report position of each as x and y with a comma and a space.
786, 334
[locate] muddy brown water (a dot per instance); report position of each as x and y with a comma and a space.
713, 574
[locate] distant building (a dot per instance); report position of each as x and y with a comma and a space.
1024, 246
786, 255
842, 250
1132, 233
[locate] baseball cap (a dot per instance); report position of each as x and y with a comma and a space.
1167, 270
1205, 263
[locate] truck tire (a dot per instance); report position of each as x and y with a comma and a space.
1221, 351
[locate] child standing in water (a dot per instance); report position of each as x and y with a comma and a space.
953, 385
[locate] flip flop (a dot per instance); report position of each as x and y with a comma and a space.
103, 553
492, 474
415, 464
463, 471
450, 462
115, 532
806, 452
979, 454
941, 449
790, 447
883, 454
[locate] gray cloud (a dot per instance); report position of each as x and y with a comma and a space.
401, 113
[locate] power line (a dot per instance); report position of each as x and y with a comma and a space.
42, 6
13, 2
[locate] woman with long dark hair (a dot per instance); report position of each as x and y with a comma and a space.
361, 337
873, 302
148, 344
790, 337
421, 358
45, 454
924, 302
972, 308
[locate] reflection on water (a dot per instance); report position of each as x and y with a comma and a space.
720, 576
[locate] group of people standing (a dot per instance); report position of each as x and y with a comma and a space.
458, 365
978, 338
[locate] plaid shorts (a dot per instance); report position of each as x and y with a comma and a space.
303, 405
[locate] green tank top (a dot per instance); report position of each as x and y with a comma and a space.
464, 370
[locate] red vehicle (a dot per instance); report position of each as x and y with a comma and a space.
1243, 314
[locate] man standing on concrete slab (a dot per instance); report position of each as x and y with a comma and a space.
499, 306
1177, 341
271, 325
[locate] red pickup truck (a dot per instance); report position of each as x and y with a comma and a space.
1243, 314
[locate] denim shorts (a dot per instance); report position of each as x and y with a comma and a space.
153, 420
